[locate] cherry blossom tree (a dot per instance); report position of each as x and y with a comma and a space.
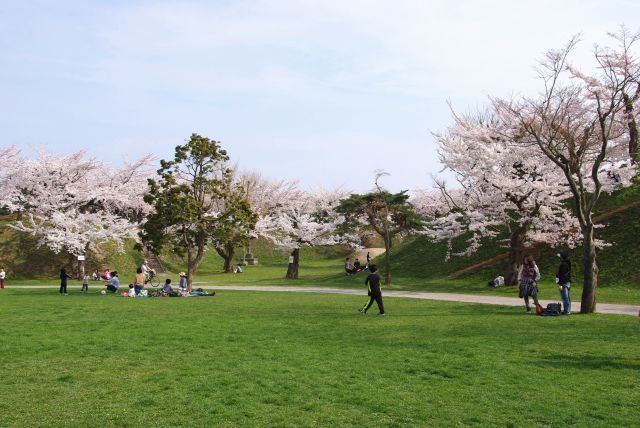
503, 186
73, 202
9, 166
581, 123
293, 219
267, 198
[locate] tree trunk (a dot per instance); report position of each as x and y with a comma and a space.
73, 261
194, 262
516, 254
292, 270
590, 282
387, 260
228, 260
633, 129
190, 269
227, 253
80, 269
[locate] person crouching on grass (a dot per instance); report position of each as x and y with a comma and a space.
373, 283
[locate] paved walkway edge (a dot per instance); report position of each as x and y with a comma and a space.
602, 308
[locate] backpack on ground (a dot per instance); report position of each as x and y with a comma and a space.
552, 310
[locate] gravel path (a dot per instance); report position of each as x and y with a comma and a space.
602, 308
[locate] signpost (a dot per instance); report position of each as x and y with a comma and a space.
81, 266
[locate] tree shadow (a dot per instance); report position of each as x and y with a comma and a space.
586, 362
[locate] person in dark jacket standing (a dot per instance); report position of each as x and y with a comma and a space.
563, 278
373, 283
63, 281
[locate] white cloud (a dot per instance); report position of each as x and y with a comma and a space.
295, 81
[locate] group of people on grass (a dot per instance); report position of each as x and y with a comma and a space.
142, 276
137, 286
112, 285
352, 269
528, 278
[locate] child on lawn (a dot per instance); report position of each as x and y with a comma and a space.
373, 283
85, 283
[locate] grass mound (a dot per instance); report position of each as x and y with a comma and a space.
420, 263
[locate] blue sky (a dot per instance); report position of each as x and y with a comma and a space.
323, 92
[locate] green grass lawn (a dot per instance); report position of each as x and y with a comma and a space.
277, 359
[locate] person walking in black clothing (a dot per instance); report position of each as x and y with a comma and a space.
563, 278
63, 281
373, 282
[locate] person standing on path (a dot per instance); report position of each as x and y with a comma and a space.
563, 278
63, 281
374, 292
528, 277
3, 275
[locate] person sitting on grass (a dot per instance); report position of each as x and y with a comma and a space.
167, 289
357, 266
138, 281
132, 291
114, 282
201, 293
348, 269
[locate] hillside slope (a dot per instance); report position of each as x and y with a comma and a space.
25, 260
420, 261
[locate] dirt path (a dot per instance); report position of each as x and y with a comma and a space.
362, 254
602, 308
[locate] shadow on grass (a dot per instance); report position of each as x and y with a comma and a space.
586, 362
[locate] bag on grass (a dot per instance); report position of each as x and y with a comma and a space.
552, 310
